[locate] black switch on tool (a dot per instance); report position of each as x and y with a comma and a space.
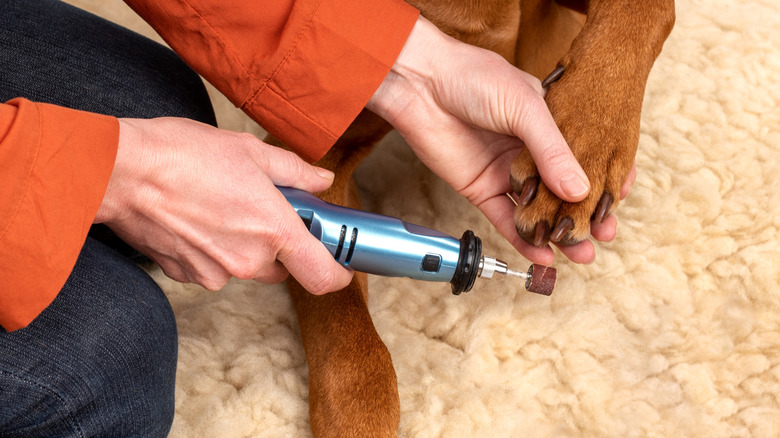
431, 263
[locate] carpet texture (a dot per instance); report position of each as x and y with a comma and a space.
673, 331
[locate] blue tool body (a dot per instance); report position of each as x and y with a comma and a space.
387, 246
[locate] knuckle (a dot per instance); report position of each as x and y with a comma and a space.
555, 155
249, 138
292, 163
212, 283
281, 239
322, 283
240, 262
244, 269
272, 276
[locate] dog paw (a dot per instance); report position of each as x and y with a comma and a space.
600, 123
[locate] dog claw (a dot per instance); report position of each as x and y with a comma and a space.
542, 234
564, 226
602, 209
529, 191
554, 76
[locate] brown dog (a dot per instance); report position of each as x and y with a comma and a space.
600, 53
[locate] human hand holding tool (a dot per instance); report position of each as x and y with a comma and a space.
201, 202
387, 246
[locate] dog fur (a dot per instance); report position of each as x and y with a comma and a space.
605, 49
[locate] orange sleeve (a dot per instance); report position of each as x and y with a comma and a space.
56, 163
303, 69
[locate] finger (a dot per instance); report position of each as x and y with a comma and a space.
307, 259
200, 268
556, 163
272, 274
171, 269
206, 275
604, 231
534, 83
287, 169
499, 211
582, 252
624, 191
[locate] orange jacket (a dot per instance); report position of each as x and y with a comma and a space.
302, 68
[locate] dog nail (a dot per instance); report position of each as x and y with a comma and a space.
554, 76
542, 230
564, 226
529, 190
602, 209
516, 187
522, 233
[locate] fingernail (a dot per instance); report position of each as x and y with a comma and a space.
324, 173
574, 185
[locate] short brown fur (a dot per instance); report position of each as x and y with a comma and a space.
607, 55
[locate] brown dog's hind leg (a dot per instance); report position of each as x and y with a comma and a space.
352, 384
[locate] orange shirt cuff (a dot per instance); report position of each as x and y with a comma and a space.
58, 164
331, 73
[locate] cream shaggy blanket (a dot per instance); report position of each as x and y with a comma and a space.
673, 331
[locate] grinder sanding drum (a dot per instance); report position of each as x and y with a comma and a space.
541, 279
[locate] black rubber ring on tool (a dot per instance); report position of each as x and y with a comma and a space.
468, 263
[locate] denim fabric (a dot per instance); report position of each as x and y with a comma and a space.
101, 359
53, 52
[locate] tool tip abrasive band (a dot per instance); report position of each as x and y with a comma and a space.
541, 279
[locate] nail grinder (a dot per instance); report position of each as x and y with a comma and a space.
387, 246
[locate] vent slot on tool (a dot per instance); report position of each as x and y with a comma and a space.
340, 247
352, 242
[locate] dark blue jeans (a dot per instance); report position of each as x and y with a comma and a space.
101, 359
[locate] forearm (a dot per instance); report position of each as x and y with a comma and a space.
303, 69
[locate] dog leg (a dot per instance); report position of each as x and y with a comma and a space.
352, 384
596, 102
492, 25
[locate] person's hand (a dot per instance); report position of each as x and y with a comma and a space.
467, 113
201, 202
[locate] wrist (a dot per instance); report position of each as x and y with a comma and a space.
115, 199
412, 72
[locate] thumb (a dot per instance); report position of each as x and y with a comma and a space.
287, 169
556, 163
312, 265
305, 257
561, 172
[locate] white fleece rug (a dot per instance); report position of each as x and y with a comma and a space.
673, 331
